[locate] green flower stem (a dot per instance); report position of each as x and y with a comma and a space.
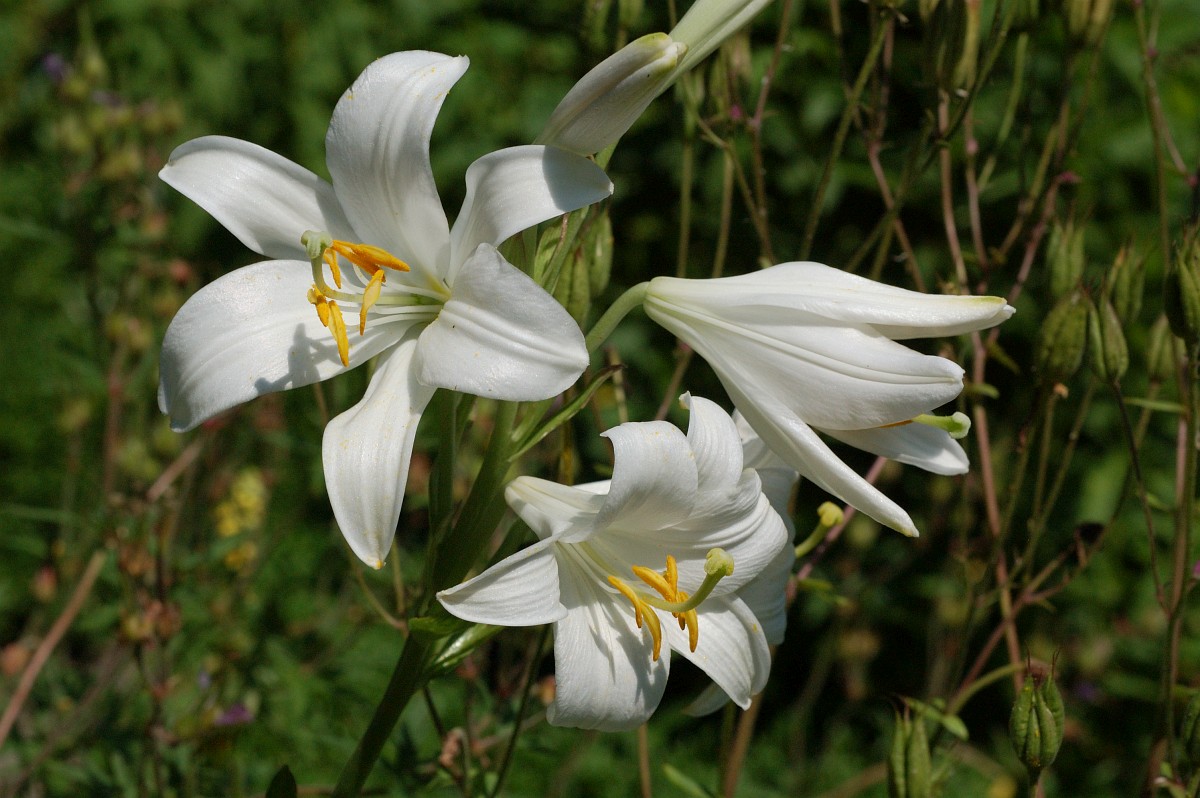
481, 513
405, 682
612, 317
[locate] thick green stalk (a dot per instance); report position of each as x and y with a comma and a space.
612, 317
481, 513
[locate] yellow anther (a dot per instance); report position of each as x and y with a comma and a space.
655, 631
322, 304
655, 580
630, 594
338, 327
367, 257
330, 258
370, 295
692, 622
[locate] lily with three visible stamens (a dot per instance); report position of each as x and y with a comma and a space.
682, 501
803, 347
438, 304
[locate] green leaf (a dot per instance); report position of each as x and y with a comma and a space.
564, 415
283, 785
686, 783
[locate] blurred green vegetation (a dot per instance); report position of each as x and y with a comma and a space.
230, 631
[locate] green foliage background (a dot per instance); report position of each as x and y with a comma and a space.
202, 662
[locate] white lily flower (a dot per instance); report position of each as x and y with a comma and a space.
802, 346
766, 594
680, 500
438, 304
605, 103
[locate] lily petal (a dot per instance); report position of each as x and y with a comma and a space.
512, 189
714, 439
801, 447
366, 452
501, 336
815, 288
603, 669
377, 150
915, 444
832, 375
249, 333
766, 595
262, 198
731, 649
520, 590
553, 510
654, 477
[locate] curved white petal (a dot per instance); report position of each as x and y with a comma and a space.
554, 510
715, 441
377, 150
711, 699
366, 452
744, 525
520, 590
248, 333
515, 188
915, 444
707, 23
803, 449
766, 595
834, 294
264, 199
831, 375
603, 668
500, 335
731, 648
654, 477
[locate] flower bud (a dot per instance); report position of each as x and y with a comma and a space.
1036, 723
1063, 338
1110, 355
608, 100
1160, 352
1086, 20
708, 23
909, 771
1064, 258
952, 43
1181, 290
1126, 282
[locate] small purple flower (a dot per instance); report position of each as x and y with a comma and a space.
236, 715
56, 67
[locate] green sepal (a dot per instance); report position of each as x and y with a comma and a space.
436, 626
460, 647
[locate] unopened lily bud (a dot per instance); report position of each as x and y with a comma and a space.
1110, 355
1189, 732
1181, 291
1160, 352
952, 43
1126, 282
909, 770
1063, 338
607, 100
1036, 723
1064, 258
708, 23
1086, 20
